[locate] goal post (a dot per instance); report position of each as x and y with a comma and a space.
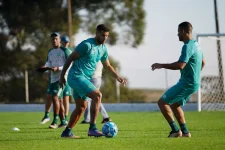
210, 95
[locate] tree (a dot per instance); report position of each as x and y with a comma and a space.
25, 27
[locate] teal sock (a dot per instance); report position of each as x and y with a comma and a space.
46, 114
56, 117
174, 126
66, 117
92, 126
63, 121
184, 128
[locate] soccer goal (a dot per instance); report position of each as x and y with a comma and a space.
211, 96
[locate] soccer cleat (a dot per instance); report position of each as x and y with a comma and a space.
95, 133
62, 125
44, 120
186, 135
106, 120
84, 122
67, 134
53, 126
175, 134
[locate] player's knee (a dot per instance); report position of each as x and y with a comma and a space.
82, 108
97, 96
161, 102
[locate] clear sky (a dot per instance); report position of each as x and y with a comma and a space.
161, 43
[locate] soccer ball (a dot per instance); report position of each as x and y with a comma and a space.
109, 129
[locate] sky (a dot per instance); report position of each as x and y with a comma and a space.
161, 44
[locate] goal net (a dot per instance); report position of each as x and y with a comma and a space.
211, 94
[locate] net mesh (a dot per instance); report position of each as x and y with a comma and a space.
212, 76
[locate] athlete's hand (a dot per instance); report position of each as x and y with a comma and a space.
62, 81
156, 66
122, 81
54, 69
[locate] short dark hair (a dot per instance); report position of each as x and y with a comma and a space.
102, 27
186, 26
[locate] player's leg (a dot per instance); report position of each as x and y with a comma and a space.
55, 98
95, 105
66, 103
48, 105
74, 118
62, 112
66, 100
87, 112
168, 114
104, 114
97, 82
82, 88
171, 96
179, 114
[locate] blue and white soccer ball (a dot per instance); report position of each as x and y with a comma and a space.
109, 129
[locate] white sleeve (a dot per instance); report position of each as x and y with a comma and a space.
61, 68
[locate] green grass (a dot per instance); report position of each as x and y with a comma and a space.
137, 130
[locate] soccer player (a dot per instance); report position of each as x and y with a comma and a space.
84, 57
97, 81
190, 64
64, 104
55, 60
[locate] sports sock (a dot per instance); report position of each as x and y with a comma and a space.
56, 117
66, 117
63, 121
46, 114
92, 126
174, 126
184, 128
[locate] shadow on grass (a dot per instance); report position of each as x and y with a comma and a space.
44, 139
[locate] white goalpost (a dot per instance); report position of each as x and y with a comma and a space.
211, 95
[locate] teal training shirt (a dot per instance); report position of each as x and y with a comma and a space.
192, 55
71, 49
90, 53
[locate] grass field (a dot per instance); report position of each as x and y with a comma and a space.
137, 130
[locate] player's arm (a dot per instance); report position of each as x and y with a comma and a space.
47, 64
180, 64
73, 56
173, 66
114, 74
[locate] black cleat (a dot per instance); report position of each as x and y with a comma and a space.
84, 122
106, 120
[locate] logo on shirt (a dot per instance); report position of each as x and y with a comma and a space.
93, 51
